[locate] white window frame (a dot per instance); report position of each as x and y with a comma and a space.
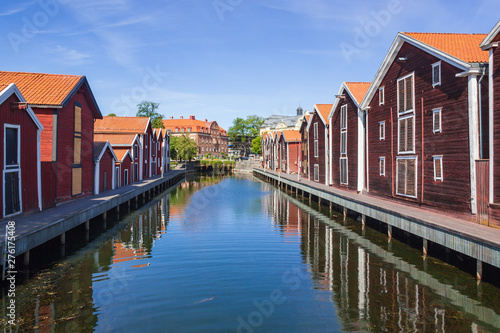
316, 148
315, 131
125, 177
343, 134
438, 83
399, 128
381, 96
15, 168
343, 117
416, 172
346, 171
434, 129
316, 172
381, 130
434, 160
397, 94
381, 166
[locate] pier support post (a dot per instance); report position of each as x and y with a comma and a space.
104, 225
310, 197
63, 238
118, 212
425, 247
104, 216
128, 206
319, 202
330, 206
87, 225
363, 220
389, 232
26, 259
344, 211
479, 270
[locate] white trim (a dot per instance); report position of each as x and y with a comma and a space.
344, 86
330, 145
486, 43
113, 174
125, 177
16, 168
316, 148
439, 112
346, 170
436, 64
141, 156
473, 136
12, 89
361, 149
96, 176
381, 95
343, 116
399, 128
327, 151
491, 122
106, 145
117, 181
287, 158
39, 168
367, 153
401, 113
381, 129
316, 173
440, 159
416, 172
380, 160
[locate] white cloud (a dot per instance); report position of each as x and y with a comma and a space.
18, 9
70, 57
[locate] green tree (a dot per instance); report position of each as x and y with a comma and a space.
111, 115
256, 145
183, 148
244, 130
149, 109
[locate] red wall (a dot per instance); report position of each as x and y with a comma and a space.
304, 150
126, 165
454, 191
352, 143
147, 147
293, 156
321, 148
28, 132
106, 165
496, 124
46, 117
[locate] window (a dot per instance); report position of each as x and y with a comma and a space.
316, 172
12, 170
343, 142
438, 168
436, 74
381, 96
125, 178
381, 130
183, 130
405, 94
76, 172
406, 178
343, 170
117, 177
381, 162
153, 148
176, 130
136, 154
189, 129
343, 117
436, 120
343, 129
316, 153
136, 171
315, 131
146, 140
406, 142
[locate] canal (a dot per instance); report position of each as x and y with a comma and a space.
235, 254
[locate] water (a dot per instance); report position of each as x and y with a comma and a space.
237, 255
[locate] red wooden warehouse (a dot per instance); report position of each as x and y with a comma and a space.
123, 167
347, 137
304, 155
292, 150
423, 120
66, 107
491, 44
317, 131
20, 191
104, 167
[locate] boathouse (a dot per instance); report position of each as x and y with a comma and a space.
304, 158
424, 124
166, 151
123, 167
140, 126
491, 44
21, 189
317, 131
66, 108
347, 137
292, 150
104, 166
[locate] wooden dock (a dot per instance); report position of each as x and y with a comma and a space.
36, 229
463, 236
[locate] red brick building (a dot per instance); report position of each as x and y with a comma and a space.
21, 189
423, 120
67, 109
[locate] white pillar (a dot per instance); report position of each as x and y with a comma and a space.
473, 137
39, 168
361, 150
491, 122
96, 177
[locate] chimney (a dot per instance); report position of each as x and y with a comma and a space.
171, 117
206, 120
191, 117
182, 117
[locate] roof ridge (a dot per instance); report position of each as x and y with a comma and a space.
445, 33
38, 73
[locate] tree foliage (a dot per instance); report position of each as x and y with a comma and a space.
149, 109
183, 148
111, 115
244, 130
256, 145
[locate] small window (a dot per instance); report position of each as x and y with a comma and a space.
406, 142
436, 120
316, 153
438, 168
315, 130
343, 171
381, 128
316, 172
436, 74
343, 142
177, 130
183, 130
405, 94
381, 162
136, 155
343, 117
381, 96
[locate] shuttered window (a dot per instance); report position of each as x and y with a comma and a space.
316, 153
436, 120
77, 135
76, 176
343, 142
381, 127
381, 161
343, 171
407, 177
381, 97
436, 74
406, 135
316, 172
315, 131
343, 129
405, 94
438, 168
343, 117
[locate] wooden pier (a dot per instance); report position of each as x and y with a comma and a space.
476, 241
36, 229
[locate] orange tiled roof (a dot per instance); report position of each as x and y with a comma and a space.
462, 46
324, 109
195, 125
122, 125
292, 136
115, 138
120, 153
358, 89
42, 89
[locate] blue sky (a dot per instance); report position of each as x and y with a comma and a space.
220, 59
